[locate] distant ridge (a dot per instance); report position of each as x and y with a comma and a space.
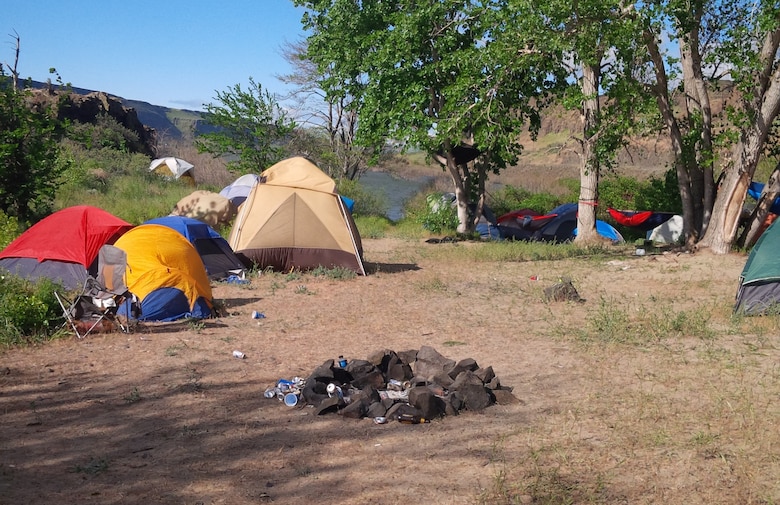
167, 122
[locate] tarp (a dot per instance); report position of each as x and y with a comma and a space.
759, 282
294, 219
755, 189
64, 246
170, 167
669, 232
215, 252
211, 208
166, 273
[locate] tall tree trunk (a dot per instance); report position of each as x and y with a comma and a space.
589, 164
699, 113
660, 90
739, 171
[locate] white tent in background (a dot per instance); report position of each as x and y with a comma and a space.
669, 232
171, 167
238, 190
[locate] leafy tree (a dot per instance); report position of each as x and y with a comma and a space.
30, 168
598, 43
250, 128
446, 76
732, 39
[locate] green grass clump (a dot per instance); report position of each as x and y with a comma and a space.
29, 311
372, 226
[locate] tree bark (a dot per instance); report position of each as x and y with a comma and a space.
589, 164
739, 171
660, 90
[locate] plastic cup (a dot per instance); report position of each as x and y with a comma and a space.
291, 399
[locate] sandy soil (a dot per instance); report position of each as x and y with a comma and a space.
167, 415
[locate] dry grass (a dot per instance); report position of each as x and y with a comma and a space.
648, 392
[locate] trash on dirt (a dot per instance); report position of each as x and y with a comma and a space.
412, 387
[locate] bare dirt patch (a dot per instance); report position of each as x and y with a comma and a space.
167, 415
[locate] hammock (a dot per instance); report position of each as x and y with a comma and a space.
525, 218
644, 220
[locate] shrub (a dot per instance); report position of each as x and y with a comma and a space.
9, 229
29, 311
367, 203
510, 198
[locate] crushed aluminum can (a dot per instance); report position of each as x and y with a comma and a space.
239, 355
380, 420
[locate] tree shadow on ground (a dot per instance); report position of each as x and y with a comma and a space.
390, 268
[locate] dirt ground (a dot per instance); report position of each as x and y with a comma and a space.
167, 414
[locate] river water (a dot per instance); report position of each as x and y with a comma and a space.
395, 190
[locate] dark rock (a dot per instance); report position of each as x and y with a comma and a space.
562, 291
496, 384
504, 397
379, 358
474, 397
358, 368
429, 405
485, 374
399, 371
452, 404
402, 409
441, 378
314, 391
324, 370
429, 362
373, 379
328, 405
356, 409
462, 366
376, 409
408, 357
465, 378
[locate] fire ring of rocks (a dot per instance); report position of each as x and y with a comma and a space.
410, 386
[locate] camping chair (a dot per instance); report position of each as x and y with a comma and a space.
101, 296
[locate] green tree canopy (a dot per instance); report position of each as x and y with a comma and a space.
30, 168
435, 75
250, 128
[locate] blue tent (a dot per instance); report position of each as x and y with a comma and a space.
564, 227
215, 252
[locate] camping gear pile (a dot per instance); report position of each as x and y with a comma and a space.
293, 219
558, 225
410, 386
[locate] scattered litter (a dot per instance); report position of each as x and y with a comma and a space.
234, 279
257, 315
239, 355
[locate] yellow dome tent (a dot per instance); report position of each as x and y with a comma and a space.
166, 273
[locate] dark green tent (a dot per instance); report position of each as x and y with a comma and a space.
759, 283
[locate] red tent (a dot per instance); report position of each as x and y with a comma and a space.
63, 246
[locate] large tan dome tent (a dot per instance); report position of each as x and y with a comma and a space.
294, 219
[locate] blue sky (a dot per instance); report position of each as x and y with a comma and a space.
171, 53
